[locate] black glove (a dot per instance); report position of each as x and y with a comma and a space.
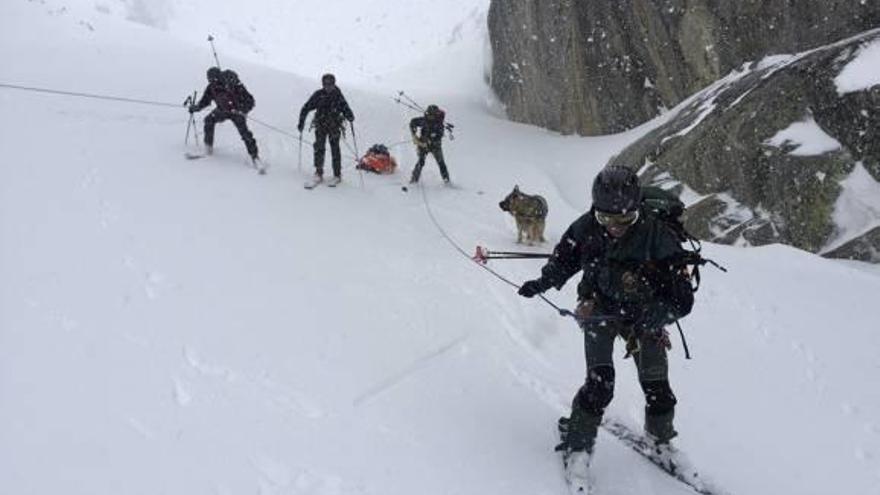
300, 127
533, 288
193, 109
351, 119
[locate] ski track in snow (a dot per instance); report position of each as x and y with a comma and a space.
418, 364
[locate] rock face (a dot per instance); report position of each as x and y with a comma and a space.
604, 66
775, 153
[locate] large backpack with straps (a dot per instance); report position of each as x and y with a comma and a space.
667, 207
244, 100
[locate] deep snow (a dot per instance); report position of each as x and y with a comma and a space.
173, 326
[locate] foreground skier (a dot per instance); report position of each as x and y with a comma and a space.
634, 283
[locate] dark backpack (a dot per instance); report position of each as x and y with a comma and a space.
379, 149
243, 98
667, 207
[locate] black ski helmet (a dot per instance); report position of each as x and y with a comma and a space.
432, 110
616, 189
328, 79
214, 74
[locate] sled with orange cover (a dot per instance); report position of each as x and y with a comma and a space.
378, 160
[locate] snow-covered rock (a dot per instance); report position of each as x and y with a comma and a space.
778, 138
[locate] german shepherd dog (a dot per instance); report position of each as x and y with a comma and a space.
529, 211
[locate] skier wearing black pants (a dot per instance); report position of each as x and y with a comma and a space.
429, 141
633, 285
233, 102
331, 112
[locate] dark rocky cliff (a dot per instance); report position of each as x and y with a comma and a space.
604, 66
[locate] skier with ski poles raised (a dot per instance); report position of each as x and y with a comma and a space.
634, 283
232, 101
331, 112
427, 134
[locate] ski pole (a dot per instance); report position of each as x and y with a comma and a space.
483, 255
191, 123
517, 254
186, 103
413, 102
211, 40
356, 153
413, 105
299, 160
193, 117
405, 104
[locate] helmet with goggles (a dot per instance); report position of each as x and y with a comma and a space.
617, 195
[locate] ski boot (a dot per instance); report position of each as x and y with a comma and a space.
660, 432
577, 436
316, 179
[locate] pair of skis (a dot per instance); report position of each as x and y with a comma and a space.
259, 165
669, 460
332, 182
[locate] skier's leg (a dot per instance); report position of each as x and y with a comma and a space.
417, 171
437, 151
320, 149
590, 402
335, 152
211, 120
653, 367
250, 143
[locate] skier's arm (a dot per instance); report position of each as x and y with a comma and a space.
565, 261
205, 100
308, 107
415, 124
346, 110
562, 265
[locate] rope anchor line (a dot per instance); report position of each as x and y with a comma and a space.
451, 241
123, 99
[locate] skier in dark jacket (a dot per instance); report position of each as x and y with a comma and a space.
331, 112
632, 275
233, 102
429, 140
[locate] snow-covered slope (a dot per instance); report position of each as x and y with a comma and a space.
359, 40
173, 326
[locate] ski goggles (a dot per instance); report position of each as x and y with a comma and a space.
617, 219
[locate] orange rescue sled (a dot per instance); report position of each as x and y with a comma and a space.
378, 160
